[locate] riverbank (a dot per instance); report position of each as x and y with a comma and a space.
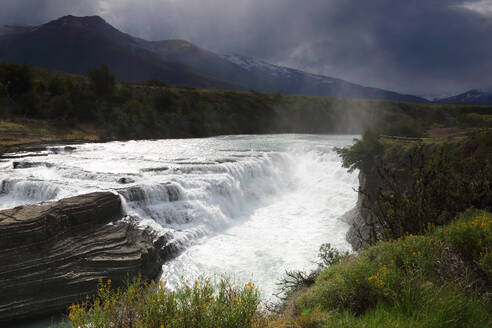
24, 135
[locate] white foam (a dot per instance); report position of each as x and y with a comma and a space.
251, 206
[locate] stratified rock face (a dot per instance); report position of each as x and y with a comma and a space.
363, 224
53, 254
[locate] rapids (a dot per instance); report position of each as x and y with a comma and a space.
249, 207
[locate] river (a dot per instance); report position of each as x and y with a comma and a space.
249, 207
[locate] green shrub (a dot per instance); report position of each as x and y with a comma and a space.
199, 304
102, 81
329, 255
363, 154
296, 280
155, 83
386, 272
17, 79
441, 308
470, 235
406, 128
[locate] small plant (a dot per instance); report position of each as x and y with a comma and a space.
296, 280
329, 255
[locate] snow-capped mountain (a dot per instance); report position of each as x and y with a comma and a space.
474, 96
273, 78
252, 64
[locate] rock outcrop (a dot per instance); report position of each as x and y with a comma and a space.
53, 254
363, 224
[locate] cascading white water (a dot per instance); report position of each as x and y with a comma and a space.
248, 206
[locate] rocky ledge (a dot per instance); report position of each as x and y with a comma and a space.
53, 254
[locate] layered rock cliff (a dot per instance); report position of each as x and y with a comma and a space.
53, 254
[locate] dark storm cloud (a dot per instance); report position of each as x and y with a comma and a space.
427, 47
34, 12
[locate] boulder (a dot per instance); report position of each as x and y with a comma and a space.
28, 165
52, 254
125, 180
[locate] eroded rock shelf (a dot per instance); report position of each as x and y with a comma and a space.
53, 254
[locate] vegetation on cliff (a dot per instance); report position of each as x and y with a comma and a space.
416, 183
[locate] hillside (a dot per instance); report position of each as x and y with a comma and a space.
63, 106
72, 44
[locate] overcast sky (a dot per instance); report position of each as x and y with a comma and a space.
424, 47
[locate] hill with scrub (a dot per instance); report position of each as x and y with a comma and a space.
43, 105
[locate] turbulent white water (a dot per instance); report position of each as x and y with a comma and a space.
247, 206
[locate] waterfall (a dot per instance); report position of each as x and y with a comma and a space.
248, 206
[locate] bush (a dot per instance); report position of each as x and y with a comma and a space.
363, 154
296, 280
405, 129
155, 83
60, 107
470, 235
329, 255
102, 81
17, 79
200, 304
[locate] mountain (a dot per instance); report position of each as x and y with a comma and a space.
259, 75
474, 96
273, 78
72, 44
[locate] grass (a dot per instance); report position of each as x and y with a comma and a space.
439, 279
24, 132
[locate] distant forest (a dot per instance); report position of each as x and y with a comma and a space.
152, 109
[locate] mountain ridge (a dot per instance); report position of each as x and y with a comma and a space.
73, 44
473, 96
